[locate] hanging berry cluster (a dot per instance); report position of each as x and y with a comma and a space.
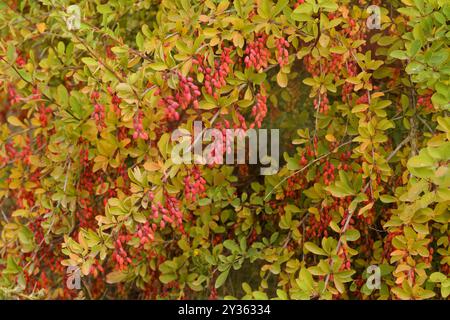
194, 184
215, 78
115, 102
256, 53
99, 111
187, 94
120, 255
138, 126
282, 51
259, 110
321, 103
44, 112
425, 102
145, 233
169, 213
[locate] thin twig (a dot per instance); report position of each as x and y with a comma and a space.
306, 167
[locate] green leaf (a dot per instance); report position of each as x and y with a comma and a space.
339, 50
309, 82
204, 202
260, 295
11, 266
282, 79
206, 105
116, 276
221, 278
167, 277
415, 47
352, 235
402, 294
360, 108
62, 96
163, 144
414, 67
303, 13
90, 61
398, 54
11, 53
314, 248
437, 277
281, 4
338, 191
158, 66
423, 160
387, 198
328, 5
231, 245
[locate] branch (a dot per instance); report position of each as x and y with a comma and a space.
306, 166
400, 145
350, 215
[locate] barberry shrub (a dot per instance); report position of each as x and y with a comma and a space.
87, 181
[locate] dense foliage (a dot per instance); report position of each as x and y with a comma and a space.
87, 181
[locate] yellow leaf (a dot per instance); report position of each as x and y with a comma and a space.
13, 120
152, 166
238, 40
41, 27
324, 40
377, 95
330, 137
282, 79
203, 18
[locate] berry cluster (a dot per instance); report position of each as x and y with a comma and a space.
175, 216
256, 53
259, 110
425, 102
294, 187
343, 254
120, 255
13, 96
96, 268
20, 60
347, 88
321, 103
99, 111
282, 50
242, 124
146, 233
215, 78
217, 149
228, 140
35, 94
43, 114
170, 213
99, 116
344, 157
194, 184
363, 99
317, 225
138, 127
187, 94
328, 173
86, 214
115, 102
